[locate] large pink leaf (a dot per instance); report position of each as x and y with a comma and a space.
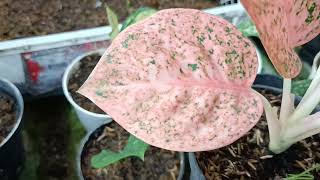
283, 25
179, 80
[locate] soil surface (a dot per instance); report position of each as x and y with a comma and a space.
7, 116
25, 18
78, 78
158, 164
249, 157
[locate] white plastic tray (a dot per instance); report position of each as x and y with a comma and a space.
54, 51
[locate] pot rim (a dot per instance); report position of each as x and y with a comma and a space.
65, 81
86, 138
17, 97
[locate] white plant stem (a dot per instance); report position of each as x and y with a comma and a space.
293, 125
287, 104
313, 86
310, 100
274, 124
315, 66
308, 127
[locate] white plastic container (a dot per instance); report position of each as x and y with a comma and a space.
52, 51
90, 120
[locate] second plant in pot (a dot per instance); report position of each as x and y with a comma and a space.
110, 152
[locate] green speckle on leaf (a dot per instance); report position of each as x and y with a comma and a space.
228, 61
200, 39
173, 55
210, 30
173, 23
99, 93
219, 40
193, 30
233, 52
228, 30
193, 67
135, 147
109, 58
311, 9
152, 61
125, 42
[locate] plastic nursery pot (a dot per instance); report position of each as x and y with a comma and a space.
96, 134
270, 83
90, 120
11, 148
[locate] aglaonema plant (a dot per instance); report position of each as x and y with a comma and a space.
179, 80
282, 26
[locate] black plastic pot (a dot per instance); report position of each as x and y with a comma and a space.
95, 134
269, 82
310, 49
11, 149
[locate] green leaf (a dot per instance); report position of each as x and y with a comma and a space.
135, 147
248, 28
299, 88
305, 72
306, 175
138, 15
113, 21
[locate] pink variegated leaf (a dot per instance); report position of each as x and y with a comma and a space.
283, 25
304, 20
179, 80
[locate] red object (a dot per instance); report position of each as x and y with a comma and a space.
34, 70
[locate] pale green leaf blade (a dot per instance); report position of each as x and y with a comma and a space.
138, 15
113, 21
105, 158
135, 147
248, 28
299, 88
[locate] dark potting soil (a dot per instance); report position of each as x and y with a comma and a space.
25, 18
48, 132
7, 116
158, 163
249, 157
78, 78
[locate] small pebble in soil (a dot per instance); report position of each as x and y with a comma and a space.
158, 164
7, 116
79, 77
